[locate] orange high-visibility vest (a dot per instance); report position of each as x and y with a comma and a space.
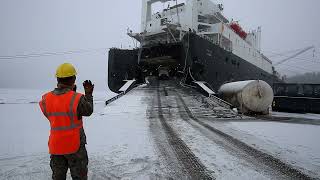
61, 111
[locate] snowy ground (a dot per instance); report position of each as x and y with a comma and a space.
126, 140
295, 144
119, 142
297, 115
24, 134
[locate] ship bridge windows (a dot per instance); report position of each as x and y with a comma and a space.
178, 5
208, 19
204, 28
164, 7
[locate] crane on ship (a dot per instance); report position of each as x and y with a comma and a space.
300, 51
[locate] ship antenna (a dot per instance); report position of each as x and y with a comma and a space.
178, 12
179, 25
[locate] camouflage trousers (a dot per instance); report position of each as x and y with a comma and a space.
77, 162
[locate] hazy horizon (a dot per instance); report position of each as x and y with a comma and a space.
37, 26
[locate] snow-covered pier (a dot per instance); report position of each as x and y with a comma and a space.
165, 131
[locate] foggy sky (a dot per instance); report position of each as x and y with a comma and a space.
38, 26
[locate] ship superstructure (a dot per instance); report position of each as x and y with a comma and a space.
193, 38
206, 19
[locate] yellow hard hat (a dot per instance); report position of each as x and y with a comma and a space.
65, 70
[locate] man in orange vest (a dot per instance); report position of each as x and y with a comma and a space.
64, 108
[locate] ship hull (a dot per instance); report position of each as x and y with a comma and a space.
203, 60
122, 65
216, 66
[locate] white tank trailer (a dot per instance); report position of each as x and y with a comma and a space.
253, 96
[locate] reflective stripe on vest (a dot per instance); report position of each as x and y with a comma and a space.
61, 111
69, 114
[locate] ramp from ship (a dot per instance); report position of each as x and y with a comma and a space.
174, 111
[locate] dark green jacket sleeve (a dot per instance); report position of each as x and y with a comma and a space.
85, 106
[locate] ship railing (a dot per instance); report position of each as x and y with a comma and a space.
211, 40
221, 102
115, 98
208, 38
213, 99
123, 90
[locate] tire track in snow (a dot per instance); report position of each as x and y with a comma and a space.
172, 167
270, 161
190, 162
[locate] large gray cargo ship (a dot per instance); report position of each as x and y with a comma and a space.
190, 41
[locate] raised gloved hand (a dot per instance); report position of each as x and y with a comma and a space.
88, 87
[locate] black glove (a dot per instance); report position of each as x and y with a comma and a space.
88, 87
